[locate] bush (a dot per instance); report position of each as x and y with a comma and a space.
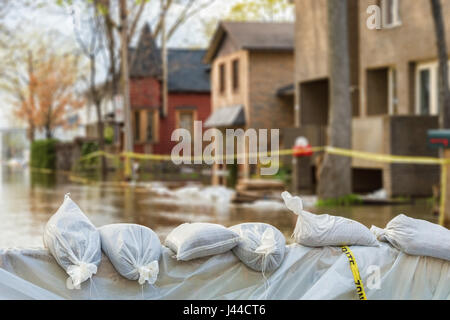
43, 154
351, 199
108, 134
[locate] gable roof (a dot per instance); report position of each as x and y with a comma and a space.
147, 59
253, 36
187, 71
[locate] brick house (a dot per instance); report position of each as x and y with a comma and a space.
188, 94
251, 71
393, 85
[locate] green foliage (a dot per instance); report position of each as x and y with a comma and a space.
108, 134
283, 174
87, 148
252, 10
345, 201
261, 10
43, 154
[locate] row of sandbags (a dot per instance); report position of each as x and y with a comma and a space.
412, 236
134, 250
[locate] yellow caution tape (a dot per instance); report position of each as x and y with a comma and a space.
356, 276
375, 157
443, 194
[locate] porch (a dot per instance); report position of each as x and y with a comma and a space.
394, 135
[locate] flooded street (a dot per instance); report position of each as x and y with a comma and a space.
26, 205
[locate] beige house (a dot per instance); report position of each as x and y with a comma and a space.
251, 76
394, 87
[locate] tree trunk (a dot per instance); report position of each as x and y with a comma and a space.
444, 91
100, 127
101, 144
31, 132
335, 174
48, 132
128, 143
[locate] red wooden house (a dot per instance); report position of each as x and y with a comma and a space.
188, 94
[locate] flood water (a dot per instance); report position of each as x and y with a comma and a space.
26, 204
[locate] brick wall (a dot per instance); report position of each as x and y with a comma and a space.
145, 93
270, 71
202, 104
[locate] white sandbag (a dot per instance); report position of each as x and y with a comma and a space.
324, 230
195, 240
133, 250
74, 242
261, 247
416, 237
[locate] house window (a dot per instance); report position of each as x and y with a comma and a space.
222, 78
186, 121
235, 74
391, 13
151, 126
145, 124
137, 125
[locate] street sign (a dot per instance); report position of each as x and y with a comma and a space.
439, 139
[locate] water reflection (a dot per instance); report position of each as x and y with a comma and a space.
27, 202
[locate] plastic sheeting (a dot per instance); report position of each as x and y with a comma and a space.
306, 273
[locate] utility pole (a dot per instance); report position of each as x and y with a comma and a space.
128, 143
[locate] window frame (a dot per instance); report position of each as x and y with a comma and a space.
180, 111
142, 127
392, 91
154, 127
396, 20
432, 67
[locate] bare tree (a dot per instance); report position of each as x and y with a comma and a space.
335, 173
125, 77
91, 45
186, 9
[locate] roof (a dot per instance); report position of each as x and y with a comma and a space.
232, 116
286, 91
273, 36
147, 58
187, 71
